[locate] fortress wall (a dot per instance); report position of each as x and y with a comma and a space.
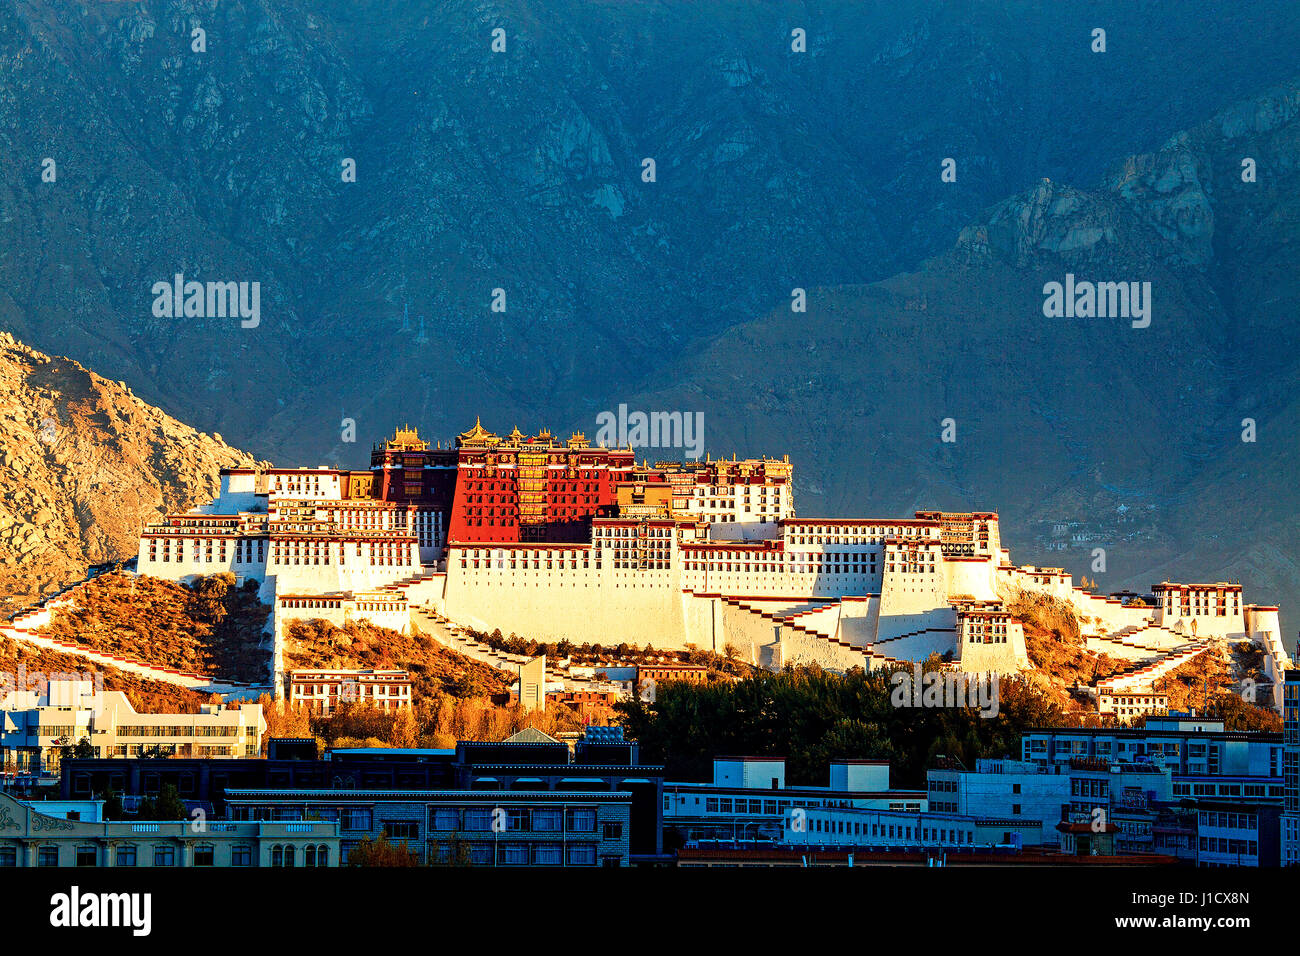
338, 611
1114, 616
1265, 629
859, 619
189, 570
973, 577
1019, 579
583, 605
917, 647
896, 625
823, 620
780, 584
746, 632
702, 621
427, 592
797, 648
335, 578
914, 600
1231, 626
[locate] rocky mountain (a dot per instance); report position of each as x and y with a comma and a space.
1171, 447
84, 464
212, 138
220, 156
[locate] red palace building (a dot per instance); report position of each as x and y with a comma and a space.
493, 489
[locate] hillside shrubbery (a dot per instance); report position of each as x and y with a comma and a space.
210, 628
433, 668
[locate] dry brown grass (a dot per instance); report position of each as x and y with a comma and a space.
146, 696
211, 628
433, 668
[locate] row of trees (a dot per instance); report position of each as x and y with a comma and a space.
810, 717
439, 722
623, 652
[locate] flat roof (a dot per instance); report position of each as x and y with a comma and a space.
476, 795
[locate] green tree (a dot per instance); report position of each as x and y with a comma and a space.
169, 805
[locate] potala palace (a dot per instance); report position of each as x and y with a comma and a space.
555, 539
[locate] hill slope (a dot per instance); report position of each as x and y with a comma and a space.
84, 464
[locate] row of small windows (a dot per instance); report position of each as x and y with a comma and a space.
166, 854
891, 831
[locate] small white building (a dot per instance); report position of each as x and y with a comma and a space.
321, 691
36, 724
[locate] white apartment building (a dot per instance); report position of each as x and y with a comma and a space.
35, 725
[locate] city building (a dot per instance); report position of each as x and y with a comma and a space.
1189, 746
528, 772
1230, 834
1126, 704
475, 827
29, 836
35, 726
1290, 822
1088, 788
748, 801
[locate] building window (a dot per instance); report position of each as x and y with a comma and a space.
241, 855
87, 856
444, 819
613, 831
164, 856
401, 830
354, 818
582, 821
546, 821
125, 855
582, 854
47, 856
514, 854
548, 854
204, 855
8, 856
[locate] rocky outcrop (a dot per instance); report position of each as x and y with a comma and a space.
84, 464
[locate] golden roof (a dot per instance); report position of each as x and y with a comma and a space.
478, 435
406, 438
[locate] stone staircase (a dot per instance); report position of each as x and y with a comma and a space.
458, 639
1144, 675
951, 632
790, 618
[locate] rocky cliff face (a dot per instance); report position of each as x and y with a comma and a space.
522, 171
84, 464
